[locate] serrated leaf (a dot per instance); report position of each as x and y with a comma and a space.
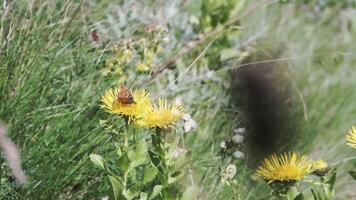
191, 192
299, 197
156, 191
97, 160
149, 174
353, 174
116, 186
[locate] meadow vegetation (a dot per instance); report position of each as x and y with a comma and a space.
188, 132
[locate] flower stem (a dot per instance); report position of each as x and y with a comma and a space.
126, 134
158, 146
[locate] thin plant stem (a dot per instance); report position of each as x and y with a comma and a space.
126, 134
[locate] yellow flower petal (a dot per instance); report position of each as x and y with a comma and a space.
286, 167
162, 116
319, 167
351, 137
132, 111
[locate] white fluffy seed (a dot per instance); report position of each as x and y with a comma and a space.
238, 155
237, 139
240, 131
223, 145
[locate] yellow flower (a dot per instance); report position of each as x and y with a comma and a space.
351, 137
319, 167
164, 116
287, 167
112, 105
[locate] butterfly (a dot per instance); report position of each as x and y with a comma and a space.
125, 95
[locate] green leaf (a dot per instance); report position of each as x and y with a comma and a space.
138, 156
314, 194
299, 197
124, 162
162, 178
154, 158
226, 54
116, 186
97, 160
130, 194
175, 176
331, 180
353, 174
149, 174
156, 191
317, 195
143, 196
118, 149
191, 192
238, 6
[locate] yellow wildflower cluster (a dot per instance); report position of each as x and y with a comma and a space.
140, 53
142, 111
290, 167
115, 65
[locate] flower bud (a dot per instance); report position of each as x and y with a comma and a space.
238, 155
240, 131
223, 145
237, 139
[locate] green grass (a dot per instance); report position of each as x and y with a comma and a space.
51, 83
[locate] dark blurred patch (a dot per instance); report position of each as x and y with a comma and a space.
265, 95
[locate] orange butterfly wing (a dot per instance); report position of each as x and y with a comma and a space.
125, 96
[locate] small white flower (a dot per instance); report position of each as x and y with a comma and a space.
237, 139
238, 155
224, 178
188, 126
230, 171
223, 145
166, 40
240, 131
210, 74
179, 152
186, 117
189, 123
